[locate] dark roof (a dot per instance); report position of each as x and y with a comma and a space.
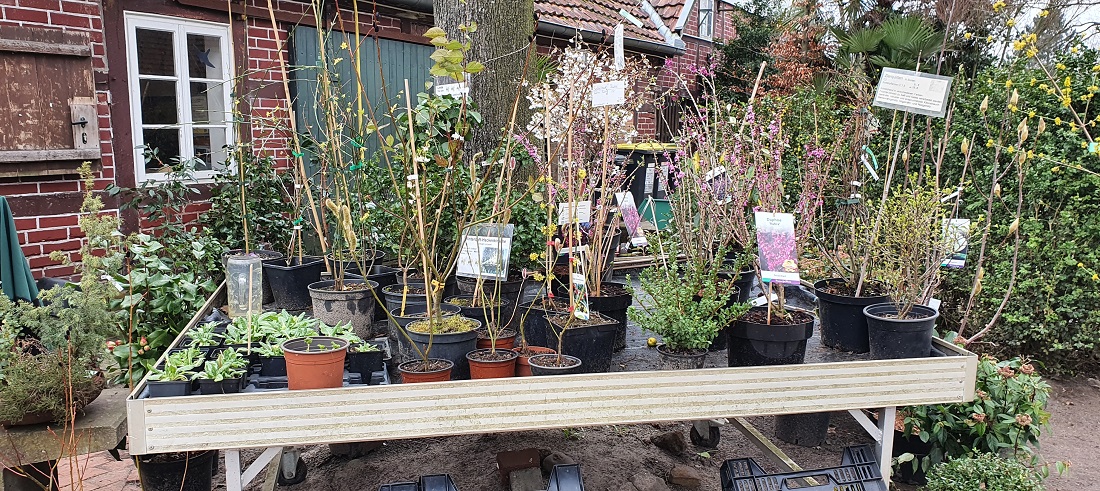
600, 16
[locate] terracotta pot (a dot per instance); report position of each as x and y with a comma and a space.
523, 368
309, 368
492, 368
505, 340
409, 376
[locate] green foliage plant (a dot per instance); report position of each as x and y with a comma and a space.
228, 365
986, 471
267, 204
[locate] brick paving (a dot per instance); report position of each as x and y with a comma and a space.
99, 472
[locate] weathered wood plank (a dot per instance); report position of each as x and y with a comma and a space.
101, 427
43, 40
14, 156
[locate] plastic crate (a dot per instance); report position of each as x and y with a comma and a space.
858, 471
437, 482
566, 477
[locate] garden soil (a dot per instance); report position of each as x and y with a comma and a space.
611, 455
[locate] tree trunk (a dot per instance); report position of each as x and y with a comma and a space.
504, 28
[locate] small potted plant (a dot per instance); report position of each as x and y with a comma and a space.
363, 358
205, 336
174, 378
223, 375
272, 362
315, 362
686, 318
448, 339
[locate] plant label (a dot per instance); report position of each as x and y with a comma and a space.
620, 54
485, 251
574, 212
650, 178
776, 240
957, 233
631, 219
611, 93
579, 292
914, 92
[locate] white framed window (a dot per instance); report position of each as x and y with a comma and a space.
179, 73
706, 19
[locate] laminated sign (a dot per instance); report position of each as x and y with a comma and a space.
609, 93
485, 251
914, 92
631, 219
775, 238
957, 233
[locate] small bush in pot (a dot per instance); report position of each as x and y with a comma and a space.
986, 471
686, 318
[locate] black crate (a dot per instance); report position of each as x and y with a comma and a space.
437, 482
566, 477
858, 471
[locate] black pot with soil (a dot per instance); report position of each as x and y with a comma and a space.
536, 331
754, 342
843, 324
396, 296
266, 257
364, 363
612, 302
509, 289
592, 341
499, 311
451, 346
227, 386
552, 364
397, 322
274, 366
185, 471
683, 359
892, 338
290, 281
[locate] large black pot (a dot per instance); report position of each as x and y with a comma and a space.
743, 281
397, 323
593, 344
920, 449
369, 257
540, 367
752, 344
536, 331
266, 257
843, 324
353, 306
501, 313
394, 295
191, 472
452, 347
613, 306
508, 289
892, 338
290, 281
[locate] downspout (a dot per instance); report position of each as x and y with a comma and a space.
655, 18
566, 32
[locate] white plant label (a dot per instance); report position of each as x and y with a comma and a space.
957, 233
620, 54
574, 212
486, 250
650, 178
459, 89
914, 92
611, 93
580, 296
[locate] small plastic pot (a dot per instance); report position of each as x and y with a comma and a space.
411, 376
274, 366
891, 338
309, 368
545, 365
290, 281
681, 361
174, 388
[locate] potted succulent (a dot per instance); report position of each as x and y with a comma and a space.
686, 318
223, 375
907, 255
315, 362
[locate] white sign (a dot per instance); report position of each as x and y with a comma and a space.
485, 252
610, 93
957, 233
629, 211
575, 212
915, 92
650, 177
620, 55
459, 89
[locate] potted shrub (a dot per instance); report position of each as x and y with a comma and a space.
223, 375
686, 318
176, 471
988, 471
315, 362
446, 338
907, 254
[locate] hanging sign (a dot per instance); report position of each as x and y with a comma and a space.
633, 221
957, 233
486, 249
776, 241
620, 55
610, 93
914, 92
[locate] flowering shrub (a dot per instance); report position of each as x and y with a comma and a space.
1008, 415
986, 471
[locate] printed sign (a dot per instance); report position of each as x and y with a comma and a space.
650, 177
620, 54
957, 233
579, 289
610, 93
775, 238
915, 92
485, 251
457, 90
631, 219
574, 212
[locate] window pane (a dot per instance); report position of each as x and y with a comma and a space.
162, 147
210, 151
204, 56
208, 103
155, 53
158, 102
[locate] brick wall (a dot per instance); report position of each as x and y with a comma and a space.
41, 234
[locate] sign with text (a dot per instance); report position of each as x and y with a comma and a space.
775, 238
610, 93
485, 251
633, 221
957, 233
574, 212
914, 92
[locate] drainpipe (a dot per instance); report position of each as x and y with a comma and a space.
670, 38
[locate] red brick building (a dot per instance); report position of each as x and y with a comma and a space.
188, 76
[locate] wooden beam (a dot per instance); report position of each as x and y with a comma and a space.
45, 48
50, 41
17, 156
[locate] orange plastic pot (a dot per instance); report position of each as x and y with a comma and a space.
410, 376
502, 342
503, 368
523, 368
315, 365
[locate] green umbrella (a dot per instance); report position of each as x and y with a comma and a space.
15, 273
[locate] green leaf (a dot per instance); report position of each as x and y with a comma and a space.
474, 67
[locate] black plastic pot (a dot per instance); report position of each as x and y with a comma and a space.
174, 388
613, 306
365, 363
501, 312
804, 430
592, 344
539, 367
752, 344
719, 341
354, 307
384, 276
681, 361
369, 256
228, 386
266, 257
509, 290
843, 324
536, 331
891, 338
452, 347
272, 367
913, 445
400, 350
394, 295
290, 283
743, 281
190, 473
